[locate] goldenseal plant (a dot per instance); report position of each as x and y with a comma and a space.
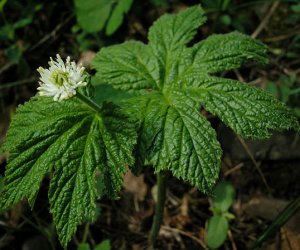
172, 80
63, 135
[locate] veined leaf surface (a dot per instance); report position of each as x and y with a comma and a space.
173, 79
72, 144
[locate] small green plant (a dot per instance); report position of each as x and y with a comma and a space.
94, 15
63, 135
218, 224
104, 245
287, 91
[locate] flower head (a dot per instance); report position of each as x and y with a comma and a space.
61, 79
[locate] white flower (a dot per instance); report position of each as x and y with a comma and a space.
61, 79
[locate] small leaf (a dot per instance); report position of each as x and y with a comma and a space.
73, 144
271, 88
84, 246
217, 231
117, 16
104, 245
92, 14
22, 23
223, 196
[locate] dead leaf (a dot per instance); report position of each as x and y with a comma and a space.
269, 208
86, 57
135, 185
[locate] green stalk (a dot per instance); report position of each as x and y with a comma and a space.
85, 232
159, 208
91, 104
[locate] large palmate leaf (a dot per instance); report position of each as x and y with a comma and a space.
173, 79
73, 144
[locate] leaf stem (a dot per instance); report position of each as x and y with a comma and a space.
159, 208
94, 106
85, 232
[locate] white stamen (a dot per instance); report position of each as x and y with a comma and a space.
61, 79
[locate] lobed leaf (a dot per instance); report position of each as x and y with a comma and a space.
173, 80
72, 144
171, 32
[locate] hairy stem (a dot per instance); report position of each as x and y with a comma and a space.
159, 208
90, 103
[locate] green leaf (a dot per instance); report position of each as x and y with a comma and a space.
217, 231
229, 51
84, 246
272, 88
171, 32
117, 16
174, 80
249, 111
178, 138
223, 196
22, 23
73, 144
2, 4
105, 92
92, 14
14, 53
104, 245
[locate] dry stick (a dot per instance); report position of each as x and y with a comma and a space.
200, 242
52, 34
235, 168
254, 162
281, 37
264, 22
230, 236
16, 83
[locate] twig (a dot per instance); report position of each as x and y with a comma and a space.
264, 22
235, 168
233, 245
51, 34
200, 242
255, 163
16, 83
7, 66
238, 75
287, 35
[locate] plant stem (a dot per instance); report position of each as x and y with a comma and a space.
159, 208
94, 106
85, 232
